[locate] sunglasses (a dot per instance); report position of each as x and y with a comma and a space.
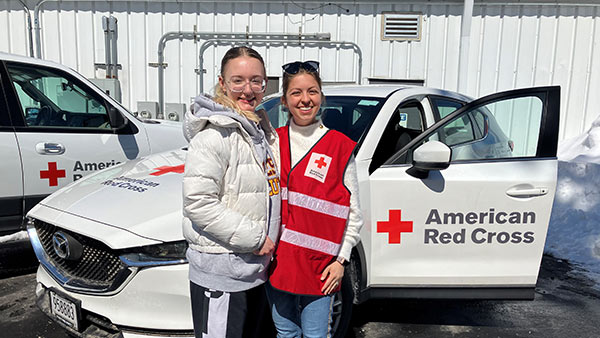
294, 67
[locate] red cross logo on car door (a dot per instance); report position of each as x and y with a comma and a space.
395, 226
52, 174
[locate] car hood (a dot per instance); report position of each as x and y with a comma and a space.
164, 135
142, 197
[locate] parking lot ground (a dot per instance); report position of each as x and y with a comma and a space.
19, 316
567, 304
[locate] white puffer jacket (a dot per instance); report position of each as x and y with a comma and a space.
225, 190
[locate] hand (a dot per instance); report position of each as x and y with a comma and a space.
267, 248
334, 273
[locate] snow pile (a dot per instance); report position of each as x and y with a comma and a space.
14, 237
574, 231
583, 148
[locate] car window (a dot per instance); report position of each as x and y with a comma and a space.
444, 106
458, 131
405, 124
349, 115
479, 122
49, 99
506, 129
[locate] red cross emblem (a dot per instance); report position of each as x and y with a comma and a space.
52, 174
168, 169
394, 227
321, 162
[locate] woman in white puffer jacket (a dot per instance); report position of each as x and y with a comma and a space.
231, 199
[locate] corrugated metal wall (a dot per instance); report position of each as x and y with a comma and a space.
511, 45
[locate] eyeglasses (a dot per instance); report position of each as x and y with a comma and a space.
294, 67
237, 85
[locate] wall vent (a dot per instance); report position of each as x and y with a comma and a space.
401, 26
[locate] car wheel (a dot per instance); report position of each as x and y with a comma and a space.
342, 308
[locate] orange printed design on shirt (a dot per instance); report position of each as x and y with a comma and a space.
271, 172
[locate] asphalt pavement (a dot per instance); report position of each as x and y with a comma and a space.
567, 304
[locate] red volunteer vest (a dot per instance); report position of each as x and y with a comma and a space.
314, 209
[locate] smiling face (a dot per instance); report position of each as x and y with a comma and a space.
247, 70
303, 98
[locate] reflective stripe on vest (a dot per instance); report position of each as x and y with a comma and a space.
315, 204
309, 242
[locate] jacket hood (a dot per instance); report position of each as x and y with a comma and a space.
204, 110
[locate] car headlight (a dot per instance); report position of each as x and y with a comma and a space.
159, 254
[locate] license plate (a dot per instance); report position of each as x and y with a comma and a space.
64, 310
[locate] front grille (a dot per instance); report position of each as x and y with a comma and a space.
99, 269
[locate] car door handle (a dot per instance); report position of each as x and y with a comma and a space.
50, 148
529, 192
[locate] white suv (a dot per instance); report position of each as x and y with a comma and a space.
456, 196
56, 127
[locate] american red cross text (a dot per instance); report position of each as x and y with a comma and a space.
52, 174
395, 226
168, 169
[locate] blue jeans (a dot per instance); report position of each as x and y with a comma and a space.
296, 316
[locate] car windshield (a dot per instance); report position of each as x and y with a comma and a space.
350, 115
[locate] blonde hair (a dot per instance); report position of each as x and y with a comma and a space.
220, 95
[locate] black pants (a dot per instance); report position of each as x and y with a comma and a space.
220, 314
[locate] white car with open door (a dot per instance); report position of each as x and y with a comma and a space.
461, 216
456, 196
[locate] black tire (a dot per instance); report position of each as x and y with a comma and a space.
342, 308
17, 258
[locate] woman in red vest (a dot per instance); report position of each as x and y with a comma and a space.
321, 216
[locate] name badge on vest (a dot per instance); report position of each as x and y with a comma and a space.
318, 166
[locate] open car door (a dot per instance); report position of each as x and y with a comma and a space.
477, 228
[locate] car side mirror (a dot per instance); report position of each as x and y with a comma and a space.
117, 120
433, 155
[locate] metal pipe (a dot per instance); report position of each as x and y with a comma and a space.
36, 23
237, 37
463, 57
29, 27
113, 33
332, 44
107, 61
161, 58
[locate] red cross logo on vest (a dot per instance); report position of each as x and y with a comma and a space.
168, 169
321, 162
52, 174
318, 166
395, 226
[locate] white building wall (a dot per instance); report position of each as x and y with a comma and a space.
511, 45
